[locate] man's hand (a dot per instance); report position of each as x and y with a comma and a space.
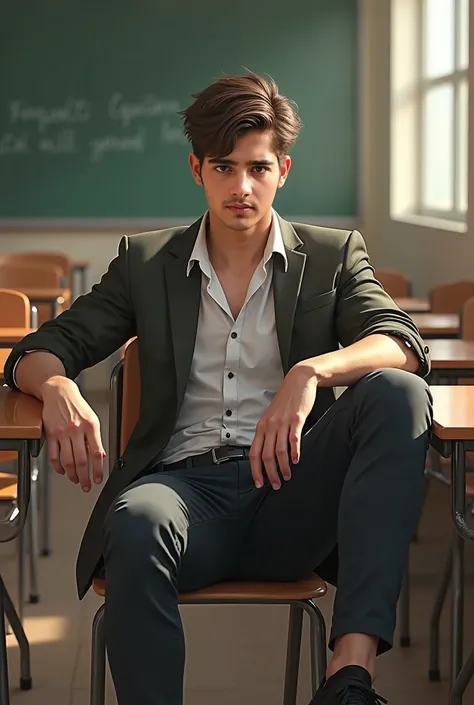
73, 432
281, 425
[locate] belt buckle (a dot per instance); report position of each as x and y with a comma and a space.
225, 458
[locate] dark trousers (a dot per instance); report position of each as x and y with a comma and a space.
348, 512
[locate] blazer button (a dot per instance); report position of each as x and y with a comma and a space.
120, 463
427, 349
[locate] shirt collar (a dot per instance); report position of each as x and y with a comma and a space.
201, 256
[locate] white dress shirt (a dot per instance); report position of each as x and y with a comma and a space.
236, 367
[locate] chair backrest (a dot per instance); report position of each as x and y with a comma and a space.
449, 298
19, 275
395, 283
57, 259
124, 400
467, 320
14, 309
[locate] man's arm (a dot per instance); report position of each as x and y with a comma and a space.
373, 331
94, 327
347, 366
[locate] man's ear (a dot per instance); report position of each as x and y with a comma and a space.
195, 165
284, 171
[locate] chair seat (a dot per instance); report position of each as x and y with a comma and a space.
312, 587
8, 487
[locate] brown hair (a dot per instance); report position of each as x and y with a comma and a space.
233, 105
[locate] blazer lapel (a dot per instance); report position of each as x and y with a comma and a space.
286, 289
184, 297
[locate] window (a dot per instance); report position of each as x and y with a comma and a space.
429, 108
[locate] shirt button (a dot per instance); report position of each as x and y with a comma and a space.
233, 335
227, 435
230, 375
228, 412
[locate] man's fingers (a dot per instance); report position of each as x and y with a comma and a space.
281, 450
269, 459
54, 457
97, 453
66, 457
295, 440
255, 456
81, 459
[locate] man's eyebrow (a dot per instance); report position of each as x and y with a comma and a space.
231, 162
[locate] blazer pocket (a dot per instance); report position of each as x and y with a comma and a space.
318, 301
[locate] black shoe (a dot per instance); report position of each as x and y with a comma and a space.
350, 685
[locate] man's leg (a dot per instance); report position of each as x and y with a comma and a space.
357, 487
166, 533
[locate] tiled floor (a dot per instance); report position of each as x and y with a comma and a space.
235, 654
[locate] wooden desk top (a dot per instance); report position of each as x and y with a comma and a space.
412, 305
20, 416
437, 323
452, 354
453, 413
13, 335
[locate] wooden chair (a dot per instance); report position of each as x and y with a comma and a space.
449, 298
395, 283
57, 259
14, 309
300, 596
24, 276
15, 313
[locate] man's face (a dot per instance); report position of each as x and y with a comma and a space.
240, 188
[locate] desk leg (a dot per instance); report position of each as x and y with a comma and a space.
4, 688
457, 617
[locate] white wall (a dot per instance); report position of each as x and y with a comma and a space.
428, 255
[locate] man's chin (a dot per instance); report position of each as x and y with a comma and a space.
242, 222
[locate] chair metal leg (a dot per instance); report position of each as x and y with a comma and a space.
21, 573
45, 501
295, 631
318, 643
462, 681
23, 643
434, 673
404, 609
4, 689
97, 692
457, 612
33, 533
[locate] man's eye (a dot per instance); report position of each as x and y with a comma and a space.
221, 168
261, 169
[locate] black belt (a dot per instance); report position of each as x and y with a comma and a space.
215, 456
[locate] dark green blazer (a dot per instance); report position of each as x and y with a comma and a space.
327, 297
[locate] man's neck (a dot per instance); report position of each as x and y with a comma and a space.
233, 250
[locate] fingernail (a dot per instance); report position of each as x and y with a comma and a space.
258, 484
97, 480
275, 486
86, 488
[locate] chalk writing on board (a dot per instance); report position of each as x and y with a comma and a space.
100, 146
172, 134
64, 142
149, 107
14, 144
71, 112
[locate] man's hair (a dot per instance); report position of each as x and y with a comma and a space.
234, 105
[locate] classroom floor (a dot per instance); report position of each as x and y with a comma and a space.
235, 654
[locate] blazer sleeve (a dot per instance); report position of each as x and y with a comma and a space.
94, 327
364, 308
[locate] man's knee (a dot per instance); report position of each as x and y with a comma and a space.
397, 392
143, 518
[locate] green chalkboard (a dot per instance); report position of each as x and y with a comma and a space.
90, 94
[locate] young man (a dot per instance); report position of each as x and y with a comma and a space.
242, 465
